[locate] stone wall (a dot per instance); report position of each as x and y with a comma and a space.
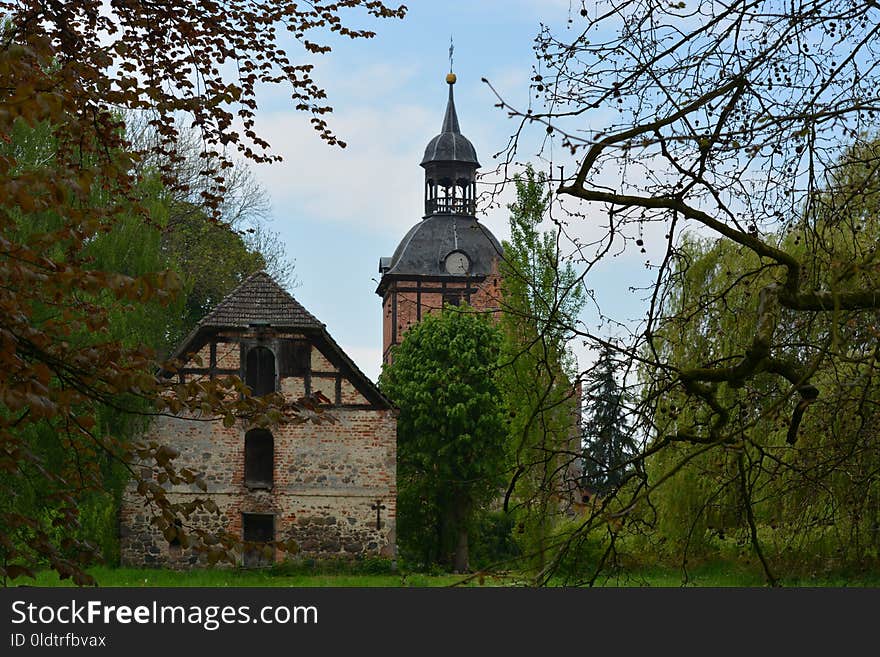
327, 477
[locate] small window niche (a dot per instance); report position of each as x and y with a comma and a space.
260, 371
259, 458
258, 530
174, 545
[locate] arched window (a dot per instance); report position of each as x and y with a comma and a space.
259, 458
260, 371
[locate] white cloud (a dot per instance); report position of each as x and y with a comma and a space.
375, 80
373, 180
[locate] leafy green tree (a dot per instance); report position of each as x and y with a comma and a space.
663, 125
450, 432
541, 298
135, 248
243, 209
211, 259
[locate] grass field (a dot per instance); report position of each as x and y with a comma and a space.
709, 575
138, 577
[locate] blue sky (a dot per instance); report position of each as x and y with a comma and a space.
339, 210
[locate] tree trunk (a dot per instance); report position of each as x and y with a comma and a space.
461, 564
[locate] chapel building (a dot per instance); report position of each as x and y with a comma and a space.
328, 486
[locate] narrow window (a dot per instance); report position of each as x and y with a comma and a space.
259, 458
258, 529
260, 371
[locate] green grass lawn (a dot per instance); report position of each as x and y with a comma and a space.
708, 575
137, 577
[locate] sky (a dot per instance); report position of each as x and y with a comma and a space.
338, 211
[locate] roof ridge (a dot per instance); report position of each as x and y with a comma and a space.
236, 309
232, 293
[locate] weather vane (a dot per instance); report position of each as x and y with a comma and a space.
451, 48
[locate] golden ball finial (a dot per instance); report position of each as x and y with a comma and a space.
450, 78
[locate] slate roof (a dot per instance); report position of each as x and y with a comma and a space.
450, 145
259, 300
423, 250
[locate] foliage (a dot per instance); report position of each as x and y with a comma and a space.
540, 298
243, 210
708, 574
134, 248
580, 554
609, 447
542, 293
450, 432
69, 68
210, 258
810, 497
171, 59
493, 547
731, 121
301, 565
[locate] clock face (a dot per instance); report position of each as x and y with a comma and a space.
457, 263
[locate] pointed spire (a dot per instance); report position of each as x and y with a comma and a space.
450, 145
450, 121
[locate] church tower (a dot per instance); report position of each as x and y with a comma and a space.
448, 257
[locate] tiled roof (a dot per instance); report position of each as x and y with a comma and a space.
259, 300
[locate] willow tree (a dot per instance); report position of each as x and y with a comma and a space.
729, 120
812, 470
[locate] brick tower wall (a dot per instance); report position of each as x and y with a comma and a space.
406, 302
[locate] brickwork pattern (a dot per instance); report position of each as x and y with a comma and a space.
402, 307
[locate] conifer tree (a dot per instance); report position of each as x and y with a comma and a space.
608, 442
